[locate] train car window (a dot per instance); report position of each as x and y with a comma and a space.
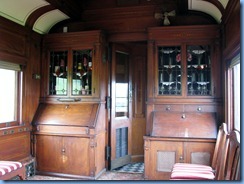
234, 93
10, 94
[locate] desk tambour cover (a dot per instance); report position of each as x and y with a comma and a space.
184, 125
82, 115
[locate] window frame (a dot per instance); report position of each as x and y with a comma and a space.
18, 107
230, 91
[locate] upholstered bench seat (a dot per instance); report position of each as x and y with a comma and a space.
9, 169
180, 166
189, 174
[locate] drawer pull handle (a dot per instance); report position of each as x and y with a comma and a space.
199, 109
69, 99
183, 116
63, 150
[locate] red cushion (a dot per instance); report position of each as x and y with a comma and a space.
184, 175
8, 166
192, 167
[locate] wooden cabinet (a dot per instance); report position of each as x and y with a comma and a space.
73, 156
162, 153
69, 125
184, 97
69, 140
184, 62
72, 63
178, 137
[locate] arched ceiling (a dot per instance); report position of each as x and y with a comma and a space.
42, 15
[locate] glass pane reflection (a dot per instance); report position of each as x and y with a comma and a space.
122, 85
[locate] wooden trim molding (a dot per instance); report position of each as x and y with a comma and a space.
14, 130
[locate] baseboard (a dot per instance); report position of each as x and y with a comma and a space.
137, 158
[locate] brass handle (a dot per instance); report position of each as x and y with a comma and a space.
69, 99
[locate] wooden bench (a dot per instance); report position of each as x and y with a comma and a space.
10, 169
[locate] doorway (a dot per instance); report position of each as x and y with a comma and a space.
127, 116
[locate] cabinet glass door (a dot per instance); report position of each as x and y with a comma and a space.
82, 72
169, 70
58, 73
198, 70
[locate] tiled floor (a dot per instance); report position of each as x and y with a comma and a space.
137, 167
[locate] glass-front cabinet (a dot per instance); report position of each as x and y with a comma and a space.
78, 73
198, 70
169, 70
72, 64
184, 71
58, 67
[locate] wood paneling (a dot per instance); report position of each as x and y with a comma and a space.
231, 30
138, 131
139, 52
22, 46
15, 146
31, 86
136, 18
14, 46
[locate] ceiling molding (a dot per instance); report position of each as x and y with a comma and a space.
207, 7
19, 11
36, 14
218, 5
46, 21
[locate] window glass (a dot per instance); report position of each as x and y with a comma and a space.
8, 95
122, 85
236, 99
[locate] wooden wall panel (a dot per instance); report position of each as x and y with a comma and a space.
138, 131
231, 29
22, 46
31, 90
139, 57
15, 146
13, 45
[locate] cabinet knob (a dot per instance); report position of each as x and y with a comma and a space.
63, 150
183, 116
181, 158
199, 109
168, 108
